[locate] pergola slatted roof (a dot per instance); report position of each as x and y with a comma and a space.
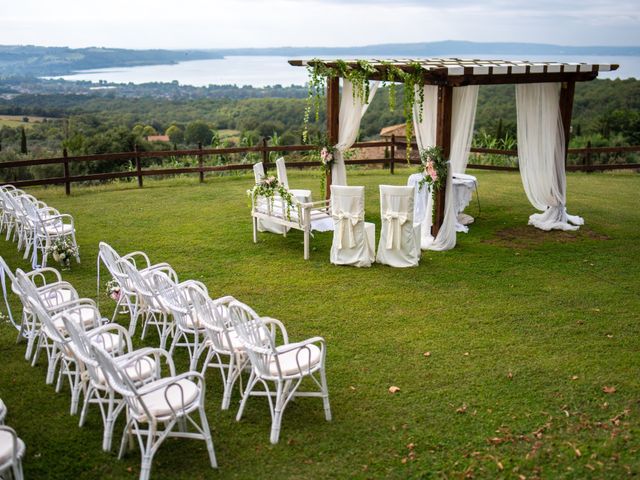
462, 71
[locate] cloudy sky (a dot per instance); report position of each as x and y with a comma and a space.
265, 23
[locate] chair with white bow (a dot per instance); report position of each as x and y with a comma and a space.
399, 237
303, 196
262, 205
354, 239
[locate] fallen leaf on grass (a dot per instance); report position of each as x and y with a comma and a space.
510, 375
466, 354
404, 460
427, 354
352, 387
575, 377
394, 389
607, 389
462, 409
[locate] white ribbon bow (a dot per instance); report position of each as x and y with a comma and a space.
395, 220
350, 220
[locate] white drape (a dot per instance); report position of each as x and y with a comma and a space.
465, 100
352, 109
463, 117
541, 153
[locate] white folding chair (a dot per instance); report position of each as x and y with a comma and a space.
399, 244
12, 451
285, 365
303, 195
154, 409
353, 239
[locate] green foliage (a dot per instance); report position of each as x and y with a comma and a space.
198, 132
23, 141
175, 134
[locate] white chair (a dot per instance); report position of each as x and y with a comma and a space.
154, 409
354, 239
11, 452
286, 365
128, 296
399, 237
222, 341
266, 225
142, 366
303, 196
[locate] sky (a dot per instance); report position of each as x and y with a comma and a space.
274, 23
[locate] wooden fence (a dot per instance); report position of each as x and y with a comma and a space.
391, 147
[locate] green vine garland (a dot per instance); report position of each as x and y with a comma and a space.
359, 76
435, 170
269, 188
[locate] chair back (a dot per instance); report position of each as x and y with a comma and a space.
212, 317
396, 210
48, 327
133, 282
347, 210
5, 272
110, 258
172, 297
258, 341
80, 346
281, 168
258, 171
117, 379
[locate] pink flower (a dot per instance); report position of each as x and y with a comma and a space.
431, 171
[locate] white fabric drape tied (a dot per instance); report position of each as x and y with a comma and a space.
346, 221
395, 221
352, 109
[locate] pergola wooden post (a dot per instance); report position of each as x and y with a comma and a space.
450, 73
333, 114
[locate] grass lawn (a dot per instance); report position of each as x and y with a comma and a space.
524, 329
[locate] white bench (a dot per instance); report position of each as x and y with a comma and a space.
304, 216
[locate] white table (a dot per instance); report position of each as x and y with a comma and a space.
463, 187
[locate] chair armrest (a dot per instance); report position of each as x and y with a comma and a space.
162, 267
131, 256
223, 300
293, 346
274, 322
109, 327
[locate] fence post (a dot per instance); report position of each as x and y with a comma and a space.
265, 154
392, 154
138, 166
67, 182
587, 158
200, 162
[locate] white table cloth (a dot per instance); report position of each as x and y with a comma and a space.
463, 187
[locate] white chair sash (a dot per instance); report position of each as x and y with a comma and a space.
395, 221
348, 220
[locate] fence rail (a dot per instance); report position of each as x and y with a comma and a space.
390, 147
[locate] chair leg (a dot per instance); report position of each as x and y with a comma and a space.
253, 379
277, 413
325, 395
207, 437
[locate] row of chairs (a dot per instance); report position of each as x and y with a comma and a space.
12, 448
97, 358
33, 224
354, 239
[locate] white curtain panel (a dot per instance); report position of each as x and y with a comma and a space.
463, 117
352, 109
465, 100
541, 151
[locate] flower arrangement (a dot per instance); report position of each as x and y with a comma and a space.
113, 290
62, 251
434, 167
270, 187
327, 158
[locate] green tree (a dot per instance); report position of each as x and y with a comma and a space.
198, 131
175, 134
148, 130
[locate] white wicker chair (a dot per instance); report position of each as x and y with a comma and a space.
11, 453
154, 409
142, 366
286, 365
3, 412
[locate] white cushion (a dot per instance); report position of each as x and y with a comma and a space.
55, 297
177, 399
60, 228
6, 446
108, 341
141, 370
289, 361
86, 315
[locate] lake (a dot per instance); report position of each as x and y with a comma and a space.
260, 71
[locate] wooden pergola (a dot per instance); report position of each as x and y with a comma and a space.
448, 73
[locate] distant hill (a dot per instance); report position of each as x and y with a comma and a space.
449, 47
29, 60
34, 61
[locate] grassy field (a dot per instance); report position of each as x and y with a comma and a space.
14, 121
524, 330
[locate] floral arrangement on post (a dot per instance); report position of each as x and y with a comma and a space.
434, 167
270, 187
327, 157
62, 251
